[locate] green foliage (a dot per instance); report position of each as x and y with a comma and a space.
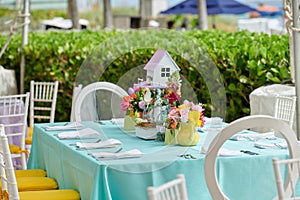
244, 60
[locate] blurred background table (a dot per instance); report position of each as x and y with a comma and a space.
262, 100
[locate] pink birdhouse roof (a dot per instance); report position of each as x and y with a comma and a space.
156, 58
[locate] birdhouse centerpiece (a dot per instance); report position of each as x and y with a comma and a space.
149, 101
159, 68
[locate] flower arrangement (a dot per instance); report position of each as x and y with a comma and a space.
144, 97
145, 101
186, 112
182, 122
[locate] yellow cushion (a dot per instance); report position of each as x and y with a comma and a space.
28, 139
36, 183
50, 195
30, 131
4, 195
17, 150
30, 173
14, 148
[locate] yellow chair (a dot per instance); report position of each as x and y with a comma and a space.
30, 173
50, 195
11, 185
26, 172
28, 139
28, 179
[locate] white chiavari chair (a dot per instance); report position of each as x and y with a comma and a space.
43, 96
287, 190
285, 108
13, 114
32, 188
88, 93
172, 190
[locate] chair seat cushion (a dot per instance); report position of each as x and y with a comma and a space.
14, 149
30, 173
36, 183
28, 139
30, 131
50, 195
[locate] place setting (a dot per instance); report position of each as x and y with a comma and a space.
100, 149
118, 154
85, 133
65, 126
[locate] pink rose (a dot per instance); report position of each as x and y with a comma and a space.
136, 87
173, 112
124, 105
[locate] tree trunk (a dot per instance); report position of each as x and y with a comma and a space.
145, 12
108, 21
73, 13
202, 15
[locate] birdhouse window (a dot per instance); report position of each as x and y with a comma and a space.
165, 72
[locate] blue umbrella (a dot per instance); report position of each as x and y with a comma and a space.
213, 7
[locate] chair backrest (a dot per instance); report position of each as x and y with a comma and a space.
89, 93
285, 109
8, 178
287, 190
43, 97
76, 91
13, 115
172, 190
234, 127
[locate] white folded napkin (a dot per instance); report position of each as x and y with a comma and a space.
117, 120
134, 153
80, 134
253, 136
225, 152
102, 144
218, 120
214, 122
69, 126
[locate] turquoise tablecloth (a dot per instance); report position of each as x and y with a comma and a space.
242, 177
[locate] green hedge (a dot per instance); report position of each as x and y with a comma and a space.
244, 60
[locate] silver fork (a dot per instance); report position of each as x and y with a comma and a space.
100, 122
279, 146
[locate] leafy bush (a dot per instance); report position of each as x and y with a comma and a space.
244, 60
